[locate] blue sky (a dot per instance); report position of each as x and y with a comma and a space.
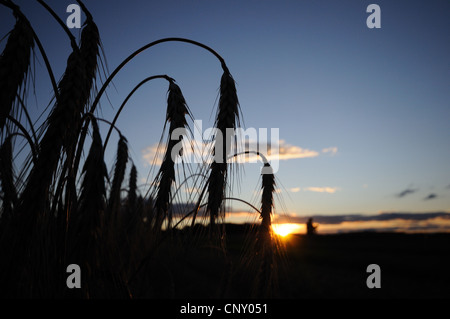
377, 99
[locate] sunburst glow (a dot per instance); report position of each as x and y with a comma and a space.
286, 229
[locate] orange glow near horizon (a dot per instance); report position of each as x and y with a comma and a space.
286, 229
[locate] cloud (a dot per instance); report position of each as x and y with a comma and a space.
332, 150
383, 216
287, 151
274, 151
329, 190
192, 150
431, 196
152, 155
406, 192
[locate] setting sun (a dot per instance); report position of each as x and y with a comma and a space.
286, 229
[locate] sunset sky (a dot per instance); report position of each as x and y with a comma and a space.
363, 114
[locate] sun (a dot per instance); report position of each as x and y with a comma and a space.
286, 229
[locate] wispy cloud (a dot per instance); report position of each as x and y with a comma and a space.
287, 151
329, 190
332, 150
326, 189
193, 152
407, 191
151, 155
430, 196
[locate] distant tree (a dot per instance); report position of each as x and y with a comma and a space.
310, 227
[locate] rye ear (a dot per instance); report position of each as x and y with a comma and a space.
177, 110
227, 117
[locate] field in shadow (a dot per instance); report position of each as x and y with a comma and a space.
334, 266
318, 267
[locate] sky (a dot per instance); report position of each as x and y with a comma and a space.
363, 113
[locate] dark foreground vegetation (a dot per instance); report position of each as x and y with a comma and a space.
334, 266
321, 266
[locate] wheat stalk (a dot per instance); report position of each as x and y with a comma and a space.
33, 207
89, 51
14, 65
115, 241
74, 90
85, 227
132, 190
92, 199
7, 179
33, 202
227, 117
264, 245
119, 174
61, 131
89, 47
177, 110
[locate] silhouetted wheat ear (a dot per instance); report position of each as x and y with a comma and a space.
132, 190
61, 132
119, 174
227, 117
85, 227
31, 216
89, 47
92, 199
14, 65
266, 274
7, 178
177, 110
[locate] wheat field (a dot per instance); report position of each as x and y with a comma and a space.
64, 206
